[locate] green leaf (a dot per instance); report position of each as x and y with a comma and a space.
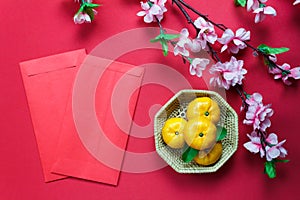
164, 47
221, 133
156, 39
170, 36
163, 39
240, 3
81, 9
92, 5
90, 12
164, 36
283, 161
269, 50
270, 169
189, 154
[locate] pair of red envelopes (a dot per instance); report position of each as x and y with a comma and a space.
49, 84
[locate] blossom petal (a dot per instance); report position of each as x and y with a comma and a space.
257, 18
243, 34
192, 70
249, 4
270, 11
238, 42
145, 6
228, 33
251, 147
228, 75
295, 72
272, 153
141, 13
184, 32
257, 97
258, 10
195, 45
272, 139
148, 18
296, 2
155, 9
224, 47
87, 18
199, 22
283, 152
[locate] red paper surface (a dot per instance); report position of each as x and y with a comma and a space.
48, 82
33, 29
85, 152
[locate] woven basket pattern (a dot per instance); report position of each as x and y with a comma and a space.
176, 107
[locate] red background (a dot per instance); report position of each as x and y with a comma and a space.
32, 29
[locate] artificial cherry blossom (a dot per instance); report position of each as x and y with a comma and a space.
185, 44
86, 12
152, 10
232, 73
254, 4
198, 65
81, 17
228, 74
206, 33
273, 148
254, 145
234, 42
292, 73
258, 114
182, 45
262, 12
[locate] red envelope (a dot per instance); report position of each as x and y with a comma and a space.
83, 149
63, 150
48, 83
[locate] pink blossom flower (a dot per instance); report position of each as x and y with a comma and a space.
254, 4
152, 10
195, 45
258, 114
261, 13
279, 74
273, 148
254, 145
207, 32
81, 17
198, 65
183, 43
296, 2
228, 74
234, 42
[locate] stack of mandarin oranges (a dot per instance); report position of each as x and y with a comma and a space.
198, 131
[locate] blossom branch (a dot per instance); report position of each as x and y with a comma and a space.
258, 7
227, 74
266, 57
265, 51
186, 15
214, 53
243, 96
86, 12
220, 26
